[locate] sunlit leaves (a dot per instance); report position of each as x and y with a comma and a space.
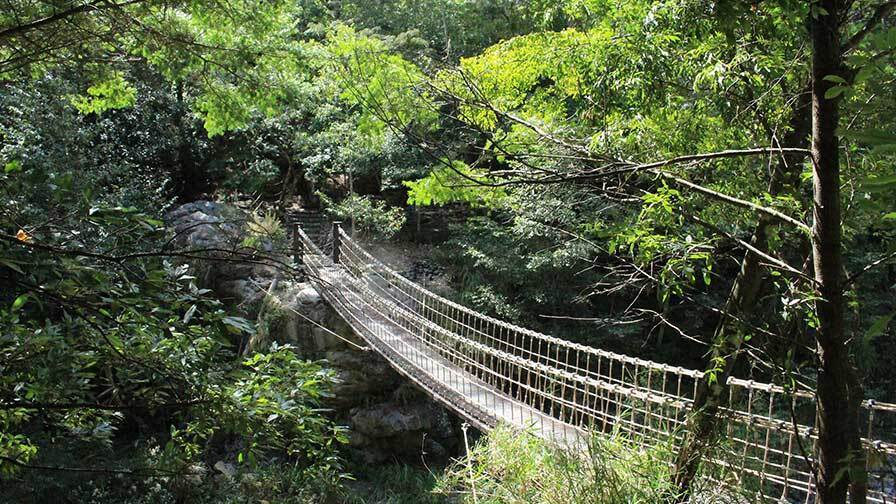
456, 184
385, 87
112, 93
879, 140
367, 215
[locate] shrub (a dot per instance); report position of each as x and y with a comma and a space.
370, 216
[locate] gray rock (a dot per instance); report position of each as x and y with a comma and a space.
360, 377
308, 295
203, 225
225, 468
389, 419
295, 313
388, 430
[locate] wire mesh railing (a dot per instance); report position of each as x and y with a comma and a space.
492, 371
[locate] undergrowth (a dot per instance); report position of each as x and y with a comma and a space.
510, 467
398, 484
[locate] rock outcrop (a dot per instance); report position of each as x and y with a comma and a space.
386, 415
217, 233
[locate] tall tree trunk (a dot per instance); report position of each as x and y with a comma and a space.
836, 417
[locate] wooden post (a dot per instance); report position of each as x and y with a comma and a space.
337, 226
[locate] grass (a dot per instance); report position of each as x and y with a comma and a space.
504, 467
398, 484
510, 467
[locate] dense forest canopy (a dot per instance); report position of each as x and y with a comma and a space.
704, 184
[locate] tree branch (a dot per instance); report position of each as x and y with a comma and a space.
141, 472
96, 5
882, 11
96, 406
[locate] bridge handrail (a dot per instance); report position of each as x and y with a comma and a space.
658, 366
522, 330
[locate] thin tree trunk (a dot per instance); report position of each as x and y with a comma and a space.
702, 429
703, 424
836, 417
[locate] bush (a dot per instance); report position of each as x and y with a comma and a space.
370, 216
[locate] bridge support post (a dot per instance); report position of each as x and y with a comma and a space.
337, 226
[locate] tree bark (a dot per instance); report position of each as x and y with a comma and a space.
836, 417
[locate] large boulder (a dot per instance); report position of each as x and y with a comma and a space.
407, 425
386, 415
390, 419
216, 233
295, 313
206, 224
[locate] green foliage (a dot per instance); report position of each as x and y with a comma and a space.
457, 184
140, 155
114, 93
252, 41
448, 29
533, 280
240, 58
382, 83
508, 467
107, 343
397, 484
367, 215
262, 227
270, 401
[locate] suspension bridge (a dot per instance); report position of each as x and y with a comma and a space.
490, 372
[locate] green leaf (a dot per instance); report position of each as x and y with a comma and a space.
13, 166
878, 327
878, 184
115, 93
880, 140
189, 315
238, 324
871, 135
834, 92
115, 341
12, 265
19, 302
835, 78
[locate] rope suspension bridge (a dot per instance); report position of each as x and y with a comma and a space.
490, 372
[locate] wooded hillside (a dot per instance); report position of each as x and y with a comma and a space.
704, 184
